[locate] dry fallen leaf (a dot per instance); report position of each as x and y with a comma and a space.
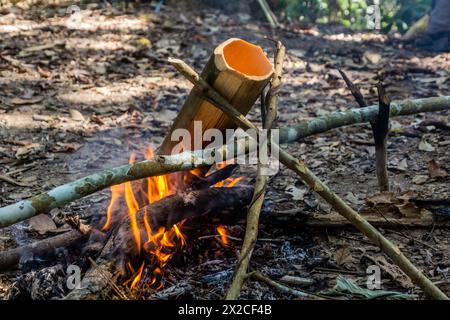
425, 146
384, 197
343, 256
42, 224
22, 102
25, 151
66, 147
372, 57
76, 115
435, 170
353, 199
420, 179
408, 210
406, 196
296, 193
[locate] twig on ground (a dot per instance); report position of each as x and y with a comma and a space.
282, 288
11, 181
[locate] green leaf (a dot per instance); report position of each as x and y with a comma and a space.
346, 286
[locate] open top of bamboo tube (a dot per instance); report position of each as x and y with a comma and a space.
239, 71
244, 58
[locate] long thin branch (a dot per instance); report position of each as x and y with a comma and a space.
75, 190
361, 115
157, 166
333, 199
251, 230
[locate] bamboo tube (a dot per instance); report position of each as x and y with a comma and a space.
237, 69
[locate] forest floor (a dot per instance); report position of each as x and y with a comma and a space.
78, 94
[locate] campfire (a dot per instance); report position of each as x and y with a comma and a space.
240, 70
154, 245
163, 199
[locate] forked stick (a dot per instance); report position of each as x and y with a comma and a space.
251, 230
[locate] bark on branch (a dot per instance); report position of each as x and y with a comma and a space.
83, 187
361, 115
80, 188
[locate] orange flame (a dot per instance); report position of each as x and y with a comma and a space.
133, 208
228, 182
223, 234
116, 192
138, 276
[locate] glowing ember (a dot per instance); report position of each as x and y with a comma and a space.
158, 245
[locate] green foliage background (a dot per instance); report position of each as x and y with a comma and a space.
395, 14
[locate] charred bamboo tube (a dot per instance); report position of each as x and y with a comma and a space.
238, 70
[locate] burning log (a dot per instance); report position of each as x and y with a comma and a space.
199, 182
238, 70
123, 250
198, 208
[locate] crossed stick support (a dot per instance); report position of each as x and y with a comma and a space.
299, 167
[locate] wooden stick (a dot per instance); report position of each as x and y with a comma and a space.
343, 208
380, 130
157, 166
282, 288
251, 231
10, 258
338, 119
268, 13
354, 90
337, 221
